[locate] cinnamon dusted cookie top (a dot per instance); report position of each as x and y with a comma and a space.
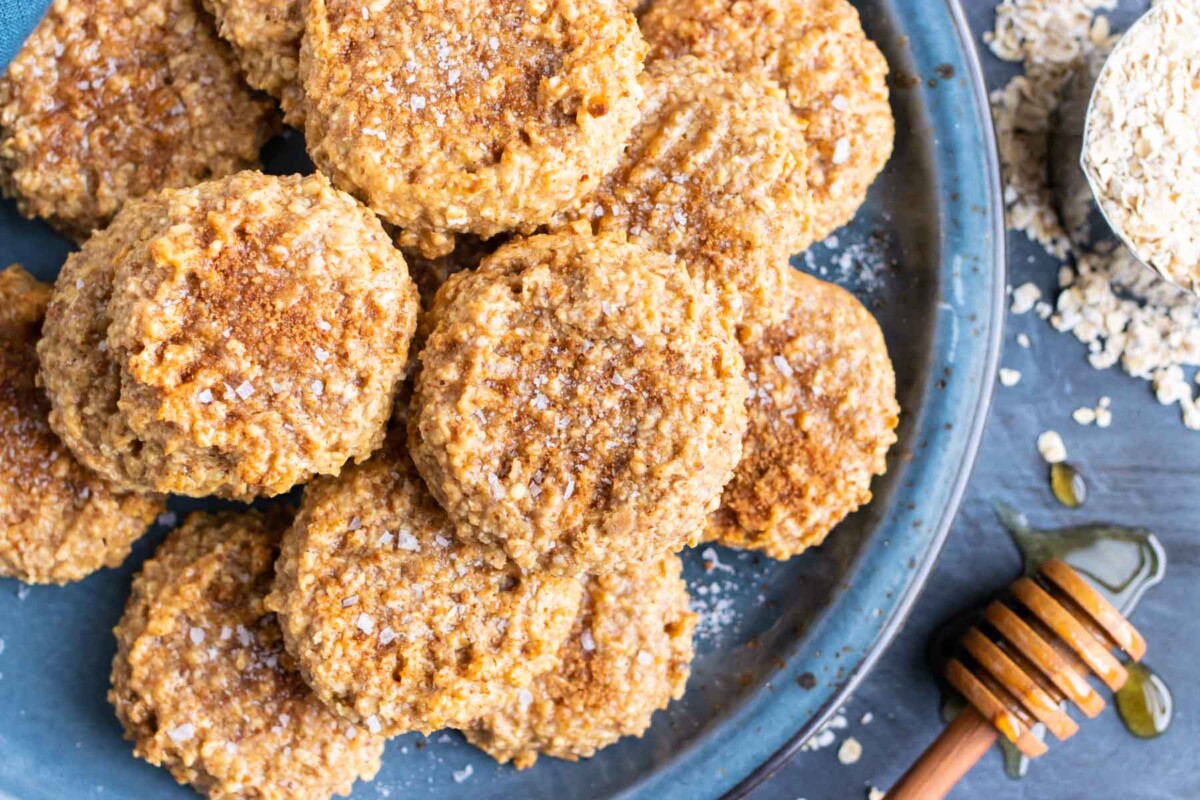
576, 405
469, 116
823, 414
110, 100
59, 521
202, 683
834, 76
232, 339
394, 622
628, 656
714, 176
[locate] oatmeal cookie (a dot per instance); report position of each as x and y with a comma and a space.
114, 99
628, 655
23, 301
58, 521
576, 405
201, 681
823, 414
231, 339
394, 622
714, 175
265, 36
475, 116
834, 76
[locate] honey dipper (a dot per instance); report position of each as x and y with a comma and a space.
1034, 655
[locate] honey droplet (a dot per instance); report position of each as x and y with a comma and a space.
1145, 703
1068, 485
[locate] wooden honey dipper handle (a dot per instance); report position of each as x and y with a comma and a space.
947, 760
1023, 669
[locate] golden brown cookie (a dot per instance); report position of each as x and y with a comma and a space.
715, 176
232, 339
823, 414
23, 301
114, 99
202, 683
265, 37
629, 655
834, 76
394, 622
469, 116
576, 405
59, 522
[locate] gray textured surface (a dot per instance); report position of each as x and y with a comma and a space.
1145, 471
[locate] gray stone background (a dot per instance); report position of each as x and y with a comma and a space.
1144, 471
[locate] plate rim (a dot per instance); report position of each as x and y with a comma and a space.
982, 414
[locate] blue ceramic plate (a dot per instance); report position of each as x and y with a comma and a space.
780, 645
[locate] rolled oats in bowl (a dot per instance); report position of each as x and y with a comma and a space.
1142, 146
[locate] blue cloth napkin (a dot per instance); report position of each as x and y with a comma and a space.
17, 20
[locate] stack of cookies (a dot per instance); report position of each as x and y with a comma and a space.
528, 332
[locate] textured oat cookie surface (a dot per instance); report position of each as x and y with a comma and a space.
59, 522
629, 655
265, 36
834, 77
202, 683
394, 622
475, 116
110, 100
823, 415
715, 176
576, 404
233, 339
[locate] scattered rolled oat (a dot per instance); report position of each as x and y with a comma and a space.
826, 735
850, 751
1024, 298
1051, 448
1051, 38
1009, 377
1142, 148
1127, 315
